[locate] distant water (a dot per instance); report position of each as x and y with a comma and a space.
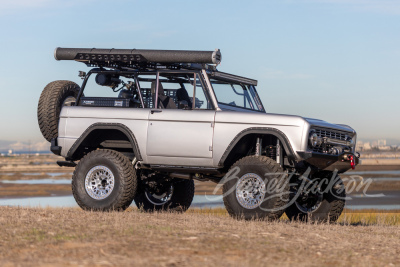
5, 152
199, 201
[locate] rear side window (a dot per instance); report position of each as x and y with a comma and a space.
108, 90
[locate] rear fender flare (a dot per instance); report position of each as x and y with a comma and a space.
106, 126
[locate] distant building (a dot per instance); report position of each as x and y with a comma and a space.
381, 143
367, 146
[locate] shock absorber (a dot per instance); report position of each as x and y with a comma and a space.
271, 152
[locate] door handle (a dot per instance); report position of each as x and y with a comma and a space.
156, 111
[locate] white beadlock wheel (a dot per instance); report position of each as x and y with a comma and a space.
104, 180
244, 192
99, 182
250, 191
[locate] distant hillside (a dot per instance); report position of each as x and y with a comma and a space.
17, 146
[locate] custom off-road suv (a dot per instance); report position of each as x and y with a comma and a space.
146, 123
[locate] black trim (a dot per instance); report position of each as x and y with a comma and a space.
259, 130
230, 77
66, 163
54, 147
184, 169
106, 126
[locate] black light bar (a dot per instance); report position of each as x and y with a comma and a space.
230, 77
136, 56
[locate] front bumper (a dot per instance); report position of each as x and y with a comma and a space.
328, 162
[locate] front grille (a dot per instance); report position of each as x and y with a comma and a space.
329, 134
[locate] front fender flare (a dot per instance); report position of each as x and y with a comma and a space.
259, 130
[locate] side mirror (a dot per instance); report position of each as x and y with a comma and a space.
183, 104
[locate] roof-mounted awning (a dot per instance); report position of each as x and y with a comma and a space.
93, 56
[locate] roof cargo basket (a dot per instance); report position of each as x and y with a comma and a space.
131, 57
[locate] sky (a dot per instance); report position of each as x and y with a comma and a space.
336, 60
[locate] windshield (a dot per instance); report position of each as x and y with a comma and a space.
236, 95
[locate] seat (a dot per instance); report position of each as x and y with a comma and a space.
182, 95
164, 102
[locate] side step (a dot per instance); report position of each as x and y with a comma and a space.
66, 163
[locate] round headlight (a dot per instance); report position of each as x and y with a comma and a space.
350, 140
313, 139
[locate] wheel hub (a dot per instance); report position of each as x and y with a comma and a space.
308, 203
250, 191
99, 182
159, 198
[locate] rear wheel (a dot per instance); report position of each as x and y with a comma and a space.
175, 195
256, 188
54, 96
104, 180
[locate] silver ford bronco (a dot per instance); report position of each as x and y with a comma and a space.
146, 123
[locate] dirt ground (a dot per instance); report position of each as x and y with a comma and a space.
66, 237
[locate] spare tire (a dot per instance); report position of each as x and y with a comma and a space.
54, 96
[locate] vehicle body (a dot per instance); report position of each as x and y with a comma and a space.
225, 122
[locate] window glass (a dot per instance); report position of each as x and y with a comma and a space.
92, 89
236, 95
177, 91
110, 90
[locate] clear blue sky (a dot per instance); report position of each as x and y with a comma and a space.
335, 60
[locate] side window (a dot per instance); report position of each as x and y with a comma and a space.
92, 89
201, 101
109, 90
186, 91
145, 82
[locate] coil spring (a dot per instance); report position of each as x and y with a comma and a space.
271, 152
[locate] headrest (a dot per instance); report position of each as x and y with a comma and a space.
125, 94
160, 88
182, 94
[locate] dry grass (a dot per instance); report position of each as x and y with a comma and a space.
196, 238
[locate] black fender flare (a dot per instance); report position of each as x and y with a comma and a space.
106, 126
259, 130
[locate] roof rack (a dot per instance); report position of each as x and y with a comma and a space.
140, 58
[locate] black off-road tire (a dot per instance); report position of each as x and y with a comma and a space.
52, 99
125, 181
332, 205
181, 199
275, 199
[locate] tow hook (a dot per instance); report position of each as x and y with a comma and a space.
352, 161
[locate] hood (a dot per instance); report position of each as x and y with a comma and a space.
324, 124
271, 119
259, 118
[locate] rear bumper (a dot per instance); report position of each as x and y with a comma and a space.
327, 162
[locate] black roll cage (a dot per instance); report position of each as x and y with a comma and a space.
133, 74
155, 69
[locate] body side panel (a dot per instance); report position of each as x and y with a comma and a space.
229, 124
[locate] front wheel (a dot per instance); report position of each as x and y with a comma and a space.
256, 187
104, 180
321, 203
175, 195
